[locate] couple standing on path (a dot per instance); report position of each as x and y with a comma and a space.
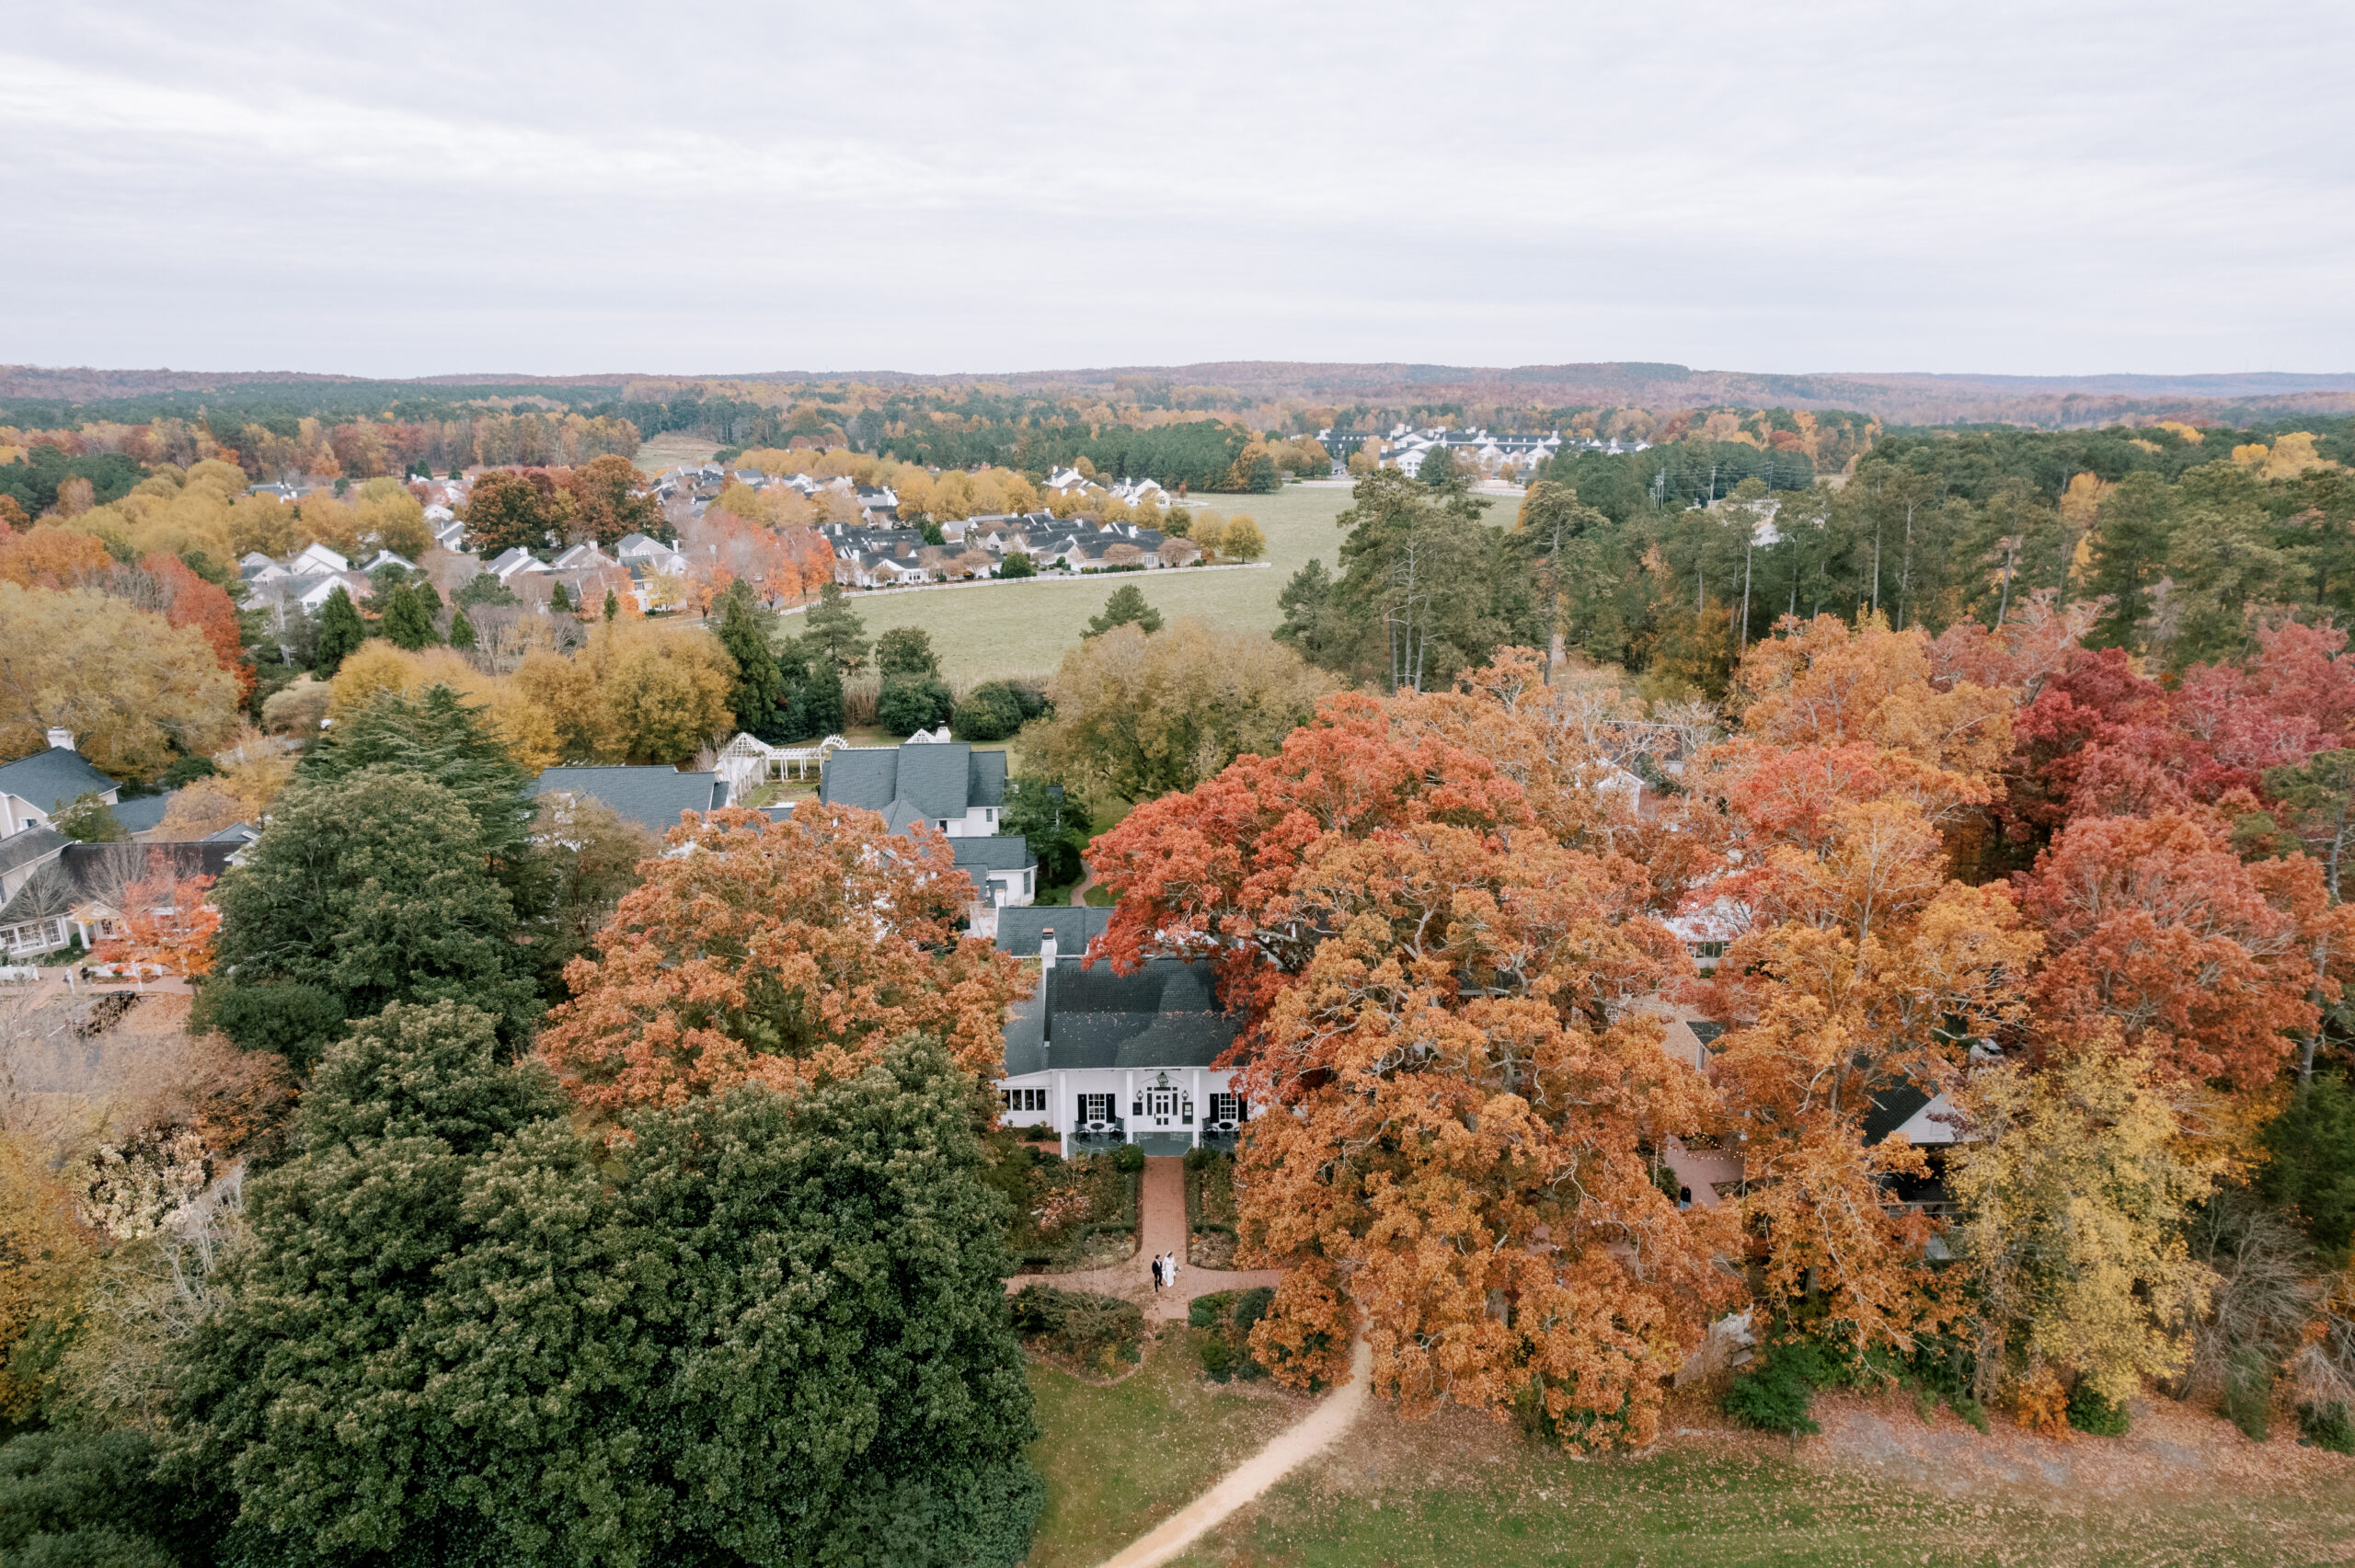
1165, 1271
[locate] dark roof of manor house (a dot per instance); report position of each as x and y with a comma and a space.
937, 779
1165, 1014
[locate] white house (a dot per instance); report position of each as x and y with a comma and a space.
953, 790
34, 789
513, 562
317, 558
1101, 1057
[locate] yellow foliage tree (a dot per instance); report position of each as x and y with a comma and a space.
127, 683
44, 1262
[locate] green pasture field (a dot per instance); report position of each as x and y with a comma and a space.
1458, 1491
1118, 1459
1024, 628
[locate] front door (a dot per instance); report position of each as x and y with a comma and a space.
1161, 1104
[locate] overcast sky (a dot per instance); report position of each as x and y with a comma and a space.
424, 188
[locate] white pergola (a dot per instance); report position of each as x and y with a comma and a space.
745, 763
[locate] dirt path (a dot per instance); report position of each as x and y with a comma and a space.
1163, 1230
1285, 1452
1086, 880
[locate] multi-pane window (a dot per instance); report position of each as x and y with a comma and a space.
1024, 1099
1095, 1108
1226, 1108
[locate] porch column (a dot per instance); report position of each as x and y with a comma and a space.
1128, 1107
1201, 1105
1059, 1113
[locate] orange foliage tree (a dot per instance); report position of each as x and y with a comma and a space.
778, 952
1866, 966
189, 601
53, 557
1437, 992
167, 921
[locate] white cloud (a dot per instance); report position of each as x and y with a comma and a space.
952, 186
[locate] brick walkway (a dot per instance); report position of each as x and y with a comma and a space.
1163, 1201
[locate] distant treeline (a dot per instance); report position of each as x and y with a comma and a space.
2184, 532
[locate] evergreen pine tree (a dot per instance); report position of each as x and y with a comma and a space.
461, 631
1126, 605
612, 604
760, 692
341, 632
407, 623
559, 600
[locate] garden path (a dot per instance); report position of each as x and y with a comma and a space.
1162, 1230
1285, 1452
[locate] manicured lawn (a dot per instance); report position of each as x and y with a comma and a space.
1024, 629
1393, 1494
1119, 1459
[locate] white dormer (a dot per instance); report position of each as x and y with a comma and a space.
318, 558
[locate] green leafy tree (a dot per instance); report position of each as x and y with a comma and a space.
2311, 1168
1313, 622
990, 711
90, 1496
911, 702
365, 890
341, 632
1016, 565
906, 650
90, 821
2131, 543
458, 1339
439, 1248
484, 587
1057, 830
1125, 608
879, 1412
407, 621
835, 630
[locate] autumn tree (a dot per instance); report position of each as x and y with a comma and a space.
1434, 988
167, 921
505, 512
186, 600
54, 558
1141, 716
777, 953
2159, 934
2073, 1191
135, 689
610, 500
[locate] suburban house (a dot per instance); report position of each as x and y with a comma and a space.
34, 789
930, 780
77, 892
1101, 1057
651, 796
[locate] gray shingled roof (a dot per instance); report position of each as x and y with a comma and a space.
99, 871
1165, 1014
147, 811
1075, 925
653, 796
31, 844
53, 780
936, 778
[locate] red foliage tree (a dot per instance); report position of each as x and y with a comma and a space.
2155, 923
189, 601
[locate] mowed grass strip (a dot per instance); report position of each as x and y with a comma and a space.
1120, 1460
1394, 1495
